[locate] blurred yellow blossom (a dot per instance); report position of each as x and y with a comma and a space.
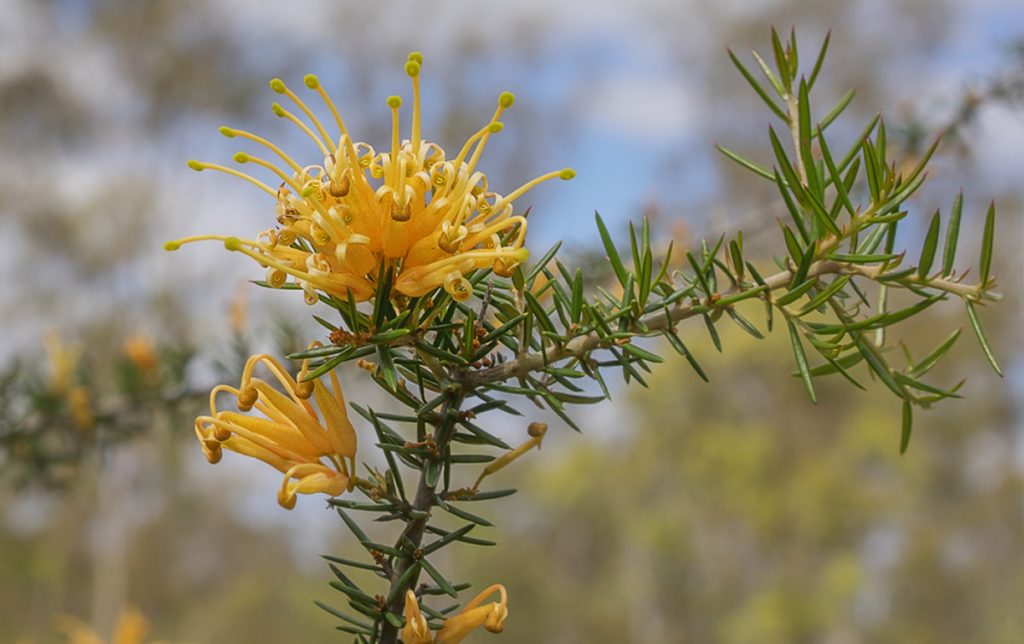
132, 628
64, 359
238, 309
140, 352
291, 436
410, 209
80, 406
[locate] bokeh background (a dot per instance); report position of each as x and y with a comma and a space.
730, 512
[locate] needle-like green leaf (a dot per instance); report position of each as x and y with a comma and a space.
908, 421
972, 315
801, 360
952, 235
757, 87
931, 242
987, 241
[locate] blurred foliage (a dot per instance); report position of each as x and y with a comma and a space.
1001, 87
78, 404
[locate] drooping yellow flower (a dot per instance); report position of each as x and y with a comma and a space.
290, 436
473, 615
409, 209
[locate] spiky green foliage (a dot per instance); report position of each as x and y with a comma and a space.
543, 333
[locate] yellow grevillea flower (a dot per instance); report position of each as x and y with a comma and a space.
473, 615
410, 208
290, 436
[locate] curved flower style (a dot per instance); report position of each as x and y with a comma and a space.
290, 437
411, 210
491, 616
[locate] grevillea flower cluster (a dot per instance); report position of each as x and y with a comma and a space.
290, 436
410, 211
473, 615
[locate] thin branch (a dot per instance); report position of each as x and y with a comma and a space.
661, 321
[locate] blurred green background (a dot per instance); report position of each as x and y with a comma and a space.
730, 512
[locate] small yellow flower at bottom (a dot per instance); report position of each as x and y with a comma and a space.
473, 615
291, 437
415, 630
490, 616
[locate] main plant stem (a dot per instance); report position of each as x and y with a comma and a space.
414, 529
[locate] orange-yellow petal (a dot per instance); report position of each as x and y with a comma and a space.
473, 615
310, 479
415, 630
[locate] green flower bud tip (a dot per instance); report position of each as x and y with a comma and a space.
412, 68
195, 165
277, 109
394, 102
566, 174
506, 99
495, 127
416, 57
311, 81
172, 245
232, 243
277, 85
241, 157
226, 131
